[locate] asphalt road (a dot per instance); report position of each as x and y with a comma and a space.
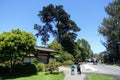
111, 70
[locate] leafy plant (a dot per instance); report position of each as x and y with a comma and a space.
52, 66
65, 56
18, 69
35, 61
15, 45
68, 62
40, 67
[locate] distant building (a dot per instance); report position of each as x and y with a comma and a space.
43, 54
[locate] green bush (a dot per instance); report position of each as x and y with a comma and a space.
35, 61
26, 68
4, 70
57, 64
40, 67
52, 66
64, 57
68, 62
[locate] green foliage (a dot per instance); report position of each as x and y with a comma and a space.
58, 64
40, 67
62, 54
15, 45
68, 62
85, 44
110, 29
4, 70
65, 56
77, 53
80, 51
58, 22
18, 69
26, 68
52, 66
68, 45
56, 46
35, 61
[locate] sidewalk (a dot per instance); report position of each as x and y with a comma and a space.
68, 76
88, 68
84, 68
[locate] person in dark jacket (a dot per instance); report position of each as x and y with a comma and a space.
78, 68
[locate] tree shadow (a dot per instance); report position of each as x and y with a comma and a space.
18, 70
14, 76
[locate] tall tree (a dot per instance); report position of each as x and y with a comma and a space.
83, 50
61, 53
15, 45
56, 46
110, 29
84, 43
56, 21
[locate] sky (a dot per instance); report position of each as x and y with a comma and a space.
87, 14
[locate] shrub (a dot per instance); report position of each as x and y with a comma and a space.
57, 64
68, 62
4, 70
52, 66
35, 61
40, 67
18, 69
64, 57
26, 68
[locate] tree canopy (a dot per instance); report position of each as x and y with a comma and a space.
110, 29
56, 21
79, 52
84, 48
15, 45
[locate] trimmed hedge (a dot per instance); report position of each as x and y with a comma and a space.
26, 68
4, 70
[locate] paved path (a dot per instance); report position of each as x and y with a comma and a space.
68, 75
87, 69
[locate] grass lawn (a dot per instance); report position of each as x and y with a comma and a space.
99, 77
38, 76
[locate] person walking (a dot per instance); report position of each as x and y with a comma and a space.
78, 68
72, 69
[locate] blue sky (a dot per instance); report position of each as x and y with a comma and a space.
87, 14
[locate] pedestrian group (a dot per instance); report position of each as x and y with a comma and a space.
73, 69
